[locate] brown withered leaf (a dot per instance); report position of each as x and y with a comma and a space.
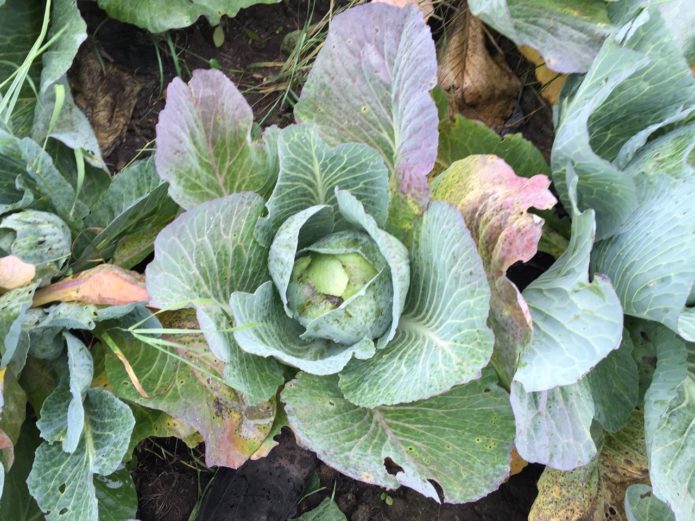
15, 273
479, 84
106, 93
106, 284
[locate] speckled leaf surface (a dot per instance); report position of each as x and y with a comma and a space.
461, 439
63, 483
204, 146
13, 306
370, 84
200, 259
494, 202
568, 33
232, 429
567, 495
442, 339
577, 322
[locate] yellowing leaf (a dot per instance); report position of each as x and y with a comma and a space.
107, 284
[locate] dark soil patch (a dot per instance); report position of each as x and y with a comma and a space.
120, 81
169, 479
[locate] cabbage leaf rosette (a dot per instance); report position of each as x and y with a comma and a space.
319, 267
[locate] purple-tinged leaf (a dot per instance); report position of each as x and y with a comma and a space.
204, 146
494, 202
370, 84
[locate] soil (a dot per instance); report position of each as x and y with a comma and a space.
119, 81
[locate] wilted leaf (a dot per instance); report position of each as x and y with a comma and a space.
106, 284
570, 496
192, 390
479, 83
14, 272
495, 202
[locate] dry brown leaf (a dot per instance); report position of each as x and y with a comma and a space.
106, 93
107, 284
480, 85
551, 81
15, 273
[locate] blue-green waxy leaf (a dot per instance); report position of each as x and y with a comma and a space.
567, 33
638, 84
442, 338
81, 371
460, 439
298, 231
310, 171
651, 258
200, 259
614, 386
158, 16
13, 306
669, 415
126, 218
38, 238
554, 427
116, 496
370, 84
642, 505
271, 332
63, 483
576, 322
33, 172
391, 249
204, 146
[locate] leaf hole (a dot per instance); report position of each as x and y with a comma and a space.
438, 489
486, 390
331, 403
612, 511
63, 511
61, 488
392, 467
